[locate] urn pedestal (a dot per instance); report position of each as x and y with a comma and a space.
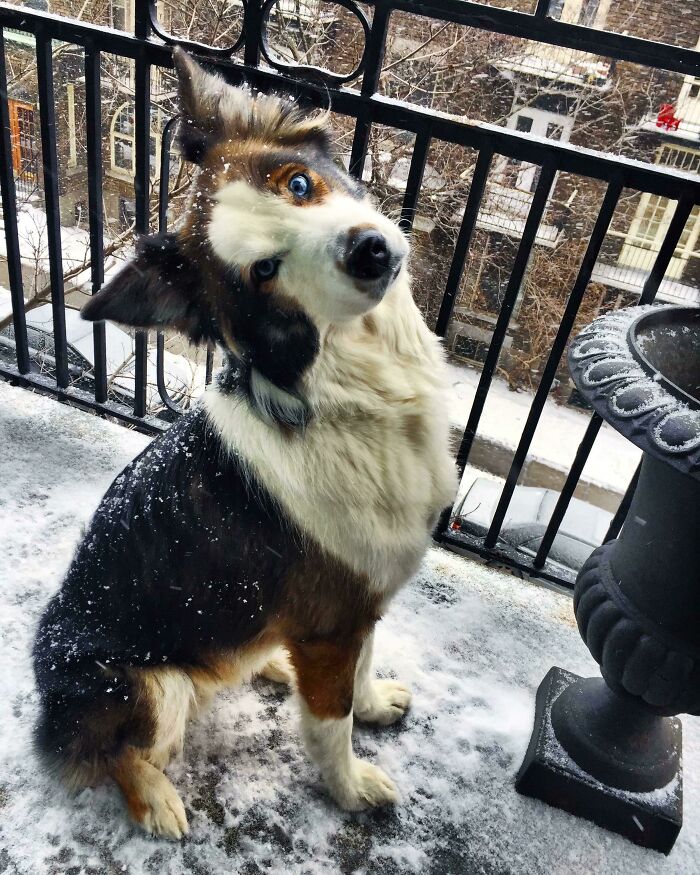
609, 749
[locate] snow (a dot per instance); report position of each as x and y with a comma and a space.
75, 246
472, 642
613, 459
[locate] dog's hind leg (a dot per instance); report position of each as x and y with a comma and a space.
278, 668
150, 798
171, 695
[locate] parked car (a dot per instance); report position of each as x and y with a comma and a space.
582, 530
119, 346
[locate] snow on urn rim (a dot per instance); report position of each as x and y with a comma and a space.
657, 408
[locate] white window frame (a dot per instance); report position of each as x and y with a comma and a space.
155, 135
114, 135
572, 13
72, 146
128, 7
541, 119
639, 251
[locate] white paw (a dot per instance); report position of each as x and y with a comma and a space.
164, 813
278, 669
366, 787
387, 701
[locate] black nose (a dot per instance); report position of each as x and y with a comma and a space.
368, 256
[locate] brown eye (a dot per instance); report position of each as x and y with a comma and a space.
265, 269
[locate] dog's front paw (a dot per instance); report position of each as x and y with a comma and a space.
365, 787
386, 703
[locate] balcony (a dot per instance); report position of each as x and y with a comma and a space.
252, 796
457, 752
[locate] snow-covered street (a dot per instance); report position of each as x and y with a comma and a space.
472, 642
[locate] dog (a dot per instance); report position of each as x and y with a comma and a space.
268, 529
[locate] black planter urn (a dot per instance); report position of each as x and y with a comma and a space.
610, 749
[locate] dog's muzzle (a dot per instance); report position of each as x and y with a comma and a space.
370, 260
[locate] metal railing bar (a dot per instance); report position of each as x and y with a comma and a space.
513, 561
49, 160
620, 516
93, 108
9, 213
160, 376
681, 214
414, 181
252, 31
76, 397
542, 9
163, 185
164, 181
466, 229
651, 178
654, 179
567, 492
370, 82
376, 46
623, 47
675, 229
358, 150
566, 324
522, 256
142, 134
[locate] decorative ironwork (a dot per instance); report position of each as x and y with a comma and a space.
308, 71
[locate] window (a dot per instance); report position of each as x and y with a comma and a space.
123, 158
123, 155
127, 212
653, 216
122, 15
589, 13
520, 174
23, 137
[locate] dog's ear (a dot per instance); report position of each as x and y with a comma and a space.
200, 95
155, 290
212, 110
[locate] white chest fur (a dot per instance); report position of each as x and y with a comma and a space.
368, 477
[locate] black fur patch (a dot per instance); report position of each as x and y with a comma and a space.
194, 143
158, 289
278, 339
186, 555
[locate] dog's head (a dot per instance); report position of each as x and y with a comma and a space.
278, 242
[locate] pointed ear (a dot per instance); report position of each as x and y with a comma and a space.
155, 290
200, 94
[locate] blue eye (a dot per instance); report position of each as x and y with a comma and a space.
265, 269
300, 185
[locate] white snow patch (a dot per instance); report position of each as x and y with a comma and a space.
473, 643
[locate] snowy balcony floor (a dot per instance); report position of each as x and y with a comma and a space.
472, 642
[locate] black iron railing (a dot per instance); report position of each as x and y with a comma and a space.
251, 59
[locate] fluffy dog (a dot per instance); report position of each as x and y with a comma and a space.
287, 509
